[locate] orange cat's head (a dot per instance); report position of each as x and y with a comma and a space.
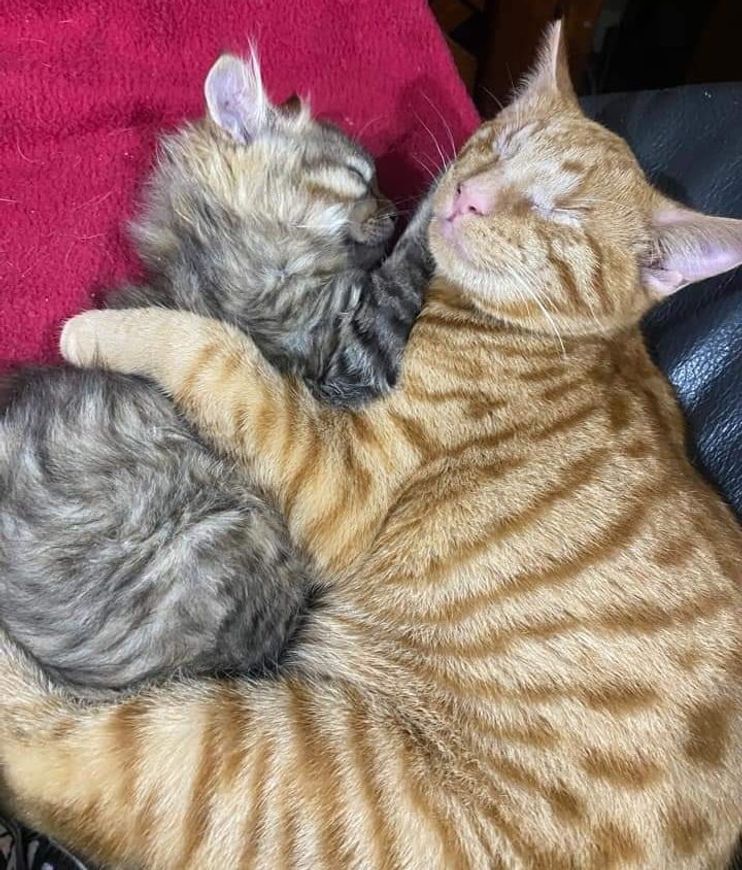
546, 220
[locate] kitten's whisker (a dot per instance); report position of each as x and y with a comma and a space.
551, 320
514, 88
545, 299
444, 160
366, 126
601, 327
530, 275
489, 93
445, 123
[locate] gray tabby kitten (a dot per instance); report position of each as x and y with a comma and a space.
127, 549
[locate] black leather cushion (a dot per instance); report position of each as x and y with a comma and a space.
689, 141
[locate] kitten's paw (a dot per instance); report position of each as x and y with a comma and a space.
79, 341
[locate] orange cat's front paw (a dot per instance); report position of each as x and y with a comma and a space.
79, 341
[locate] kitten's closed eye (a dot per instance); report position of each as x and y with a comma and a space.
364, 174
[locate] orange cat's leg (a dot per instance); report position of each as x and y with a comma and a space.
202, 774
328, 479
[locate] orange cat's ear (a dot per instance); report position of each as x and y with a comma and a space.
551, 71
235, 97
688, 246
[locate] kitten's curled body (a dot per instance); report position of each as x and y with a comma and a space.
256, 237
529, 655
128, 549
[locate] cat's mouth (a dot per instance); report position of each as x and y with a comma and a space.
449, 230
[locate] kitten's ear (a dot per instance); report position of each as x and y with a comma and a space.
551, 71
689, 246
293, 105
235, 97
295, 109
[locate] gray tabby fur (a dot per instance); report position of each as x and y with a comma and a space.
127, 549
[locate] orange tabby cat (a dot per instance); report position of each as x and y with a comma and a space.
530, 654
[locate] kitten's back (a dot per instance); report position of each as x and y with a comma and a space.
116, 519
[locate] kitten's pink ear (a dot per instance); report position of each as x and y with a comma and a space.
689, 246
235, 97
551, 71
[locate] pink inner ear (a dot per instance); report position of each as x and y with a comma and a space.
661, 281
692, 247
710, 259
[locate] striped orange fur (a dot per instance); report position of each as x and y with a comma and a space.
530, 653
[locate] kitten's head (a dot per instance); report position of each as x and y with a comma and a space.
546, 219
296, 184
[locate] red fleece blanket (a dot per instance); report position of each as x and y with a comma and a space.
85, 87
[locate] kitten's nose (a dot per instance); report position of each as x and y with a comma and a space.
468, 199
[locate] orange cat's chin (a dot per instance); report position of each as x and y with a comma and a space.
448, 242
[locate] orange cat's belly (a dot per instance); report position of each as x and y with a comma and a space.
563, 540
579, 606
586, 546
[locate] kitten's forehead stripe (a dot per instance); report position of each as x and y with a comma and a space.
574, 166
364, 169
336, 181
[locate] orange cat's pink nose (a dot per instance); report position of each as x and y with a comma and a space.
470, 200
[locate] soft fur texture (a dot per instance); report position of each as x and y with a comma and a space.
272, 221
127, 550
88, 88
530, 653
